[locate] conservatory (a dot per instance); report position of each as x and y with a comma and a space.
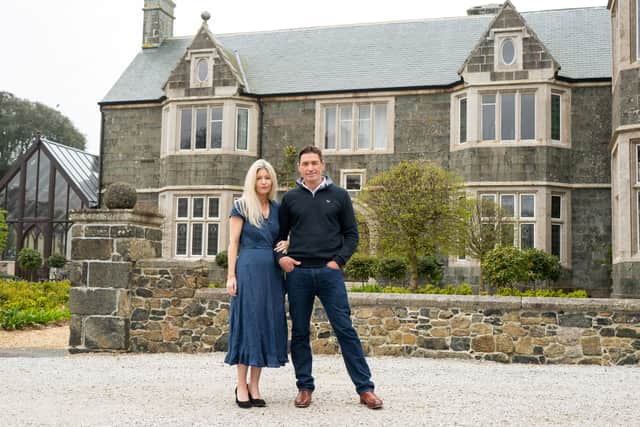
39, 191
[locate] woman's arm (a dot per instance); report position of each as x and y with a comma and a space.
235, 228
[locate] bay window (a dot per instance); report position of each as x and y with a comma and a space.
201, 128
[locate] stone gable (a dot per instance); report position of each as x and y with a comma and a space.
534, 55
225, 70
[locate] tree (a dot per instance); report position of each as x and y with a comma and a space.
419, 207
29, 260
287, 173
487, 229
20, 119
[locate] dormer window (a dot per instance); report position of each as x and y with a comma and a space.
508, 52
507, 49
201, 69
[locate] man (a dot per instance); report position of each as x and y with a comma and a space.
319, 220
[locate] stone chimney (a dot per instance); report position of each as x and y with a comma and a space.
158, 22
485, 9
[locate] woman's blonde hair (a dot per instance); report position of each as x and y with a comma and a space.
249, 204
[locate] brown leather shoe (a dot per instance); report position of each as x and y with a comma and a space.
371, 400
303, 399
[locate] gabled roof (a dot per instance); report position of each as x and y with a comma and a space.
81, 167
421, 53
506, 7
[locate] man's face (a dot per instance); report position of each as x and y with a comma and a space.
311, 168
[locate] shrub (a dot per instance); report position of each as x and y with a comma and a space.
361, 267
463, 289
542, 293
503, 266
56, 261
222, 259
393, 268
120, 195
506, 265
29, 260
430, 268
367, 288
29, 303
541, 265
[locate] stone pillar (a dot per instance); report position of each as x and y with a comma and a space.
105, 245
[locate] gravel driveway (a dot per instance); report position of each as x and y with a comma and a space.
178, 389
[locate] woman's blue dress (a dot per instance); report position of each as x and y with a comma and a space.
257, 322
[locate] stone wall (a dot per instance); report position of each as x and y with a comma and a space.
105, 245
172, 310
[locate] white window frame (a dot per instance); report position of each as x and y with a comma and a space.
354, 105
526, 218
517, 113
466, 119
194, 57
551, 96
208, 120
344, 173
190, 220
499, 36
237, 119
559, 221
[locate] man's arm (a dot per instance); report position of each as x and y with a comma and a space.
285, 226
286, 263
349, 228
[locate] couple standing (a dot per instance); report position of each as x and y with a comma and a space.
317, 218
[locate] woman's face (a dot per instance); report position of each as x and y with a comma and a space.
263, 182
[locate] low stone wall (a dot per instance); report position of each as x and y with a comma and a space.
172, 310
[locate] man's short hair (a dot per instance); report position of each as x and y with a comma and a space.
310, 149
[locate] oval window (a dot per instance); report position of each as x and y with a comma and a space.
508, 52
203, 69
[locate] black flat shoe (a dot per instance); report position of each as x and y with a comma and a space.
258, 403
244, 405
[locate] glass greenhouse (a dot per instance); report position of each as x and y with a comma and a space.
40, 190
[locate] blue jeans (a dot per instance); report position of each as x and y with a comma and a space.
303, 285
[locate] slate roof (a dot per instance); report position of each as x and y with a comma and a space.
405, 54
81, 167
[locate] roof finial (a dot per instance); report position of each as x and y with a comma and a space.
205, 16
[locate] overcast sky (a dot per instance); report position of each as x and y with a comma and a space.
68, 53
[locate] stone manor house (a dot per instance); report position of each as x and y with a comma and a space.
522, 105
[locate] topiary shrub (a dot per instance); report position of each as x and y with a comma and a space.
56, 261
120, 195
361, 267
29, 260
222, 259
392, 269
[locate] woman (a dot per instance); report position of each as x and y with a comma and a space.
257, 323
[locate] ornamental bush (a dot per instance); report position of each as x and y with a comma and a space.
56, 261
222, 259
29, 260
361, 267
120, 195
392, 269
505, 266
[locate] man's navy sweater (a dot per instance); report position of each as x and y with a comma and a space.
321, 227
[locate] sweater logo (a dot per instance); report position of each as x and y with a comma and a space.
328, 201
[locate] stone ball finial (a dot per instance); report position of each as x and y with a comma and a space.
205, 16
